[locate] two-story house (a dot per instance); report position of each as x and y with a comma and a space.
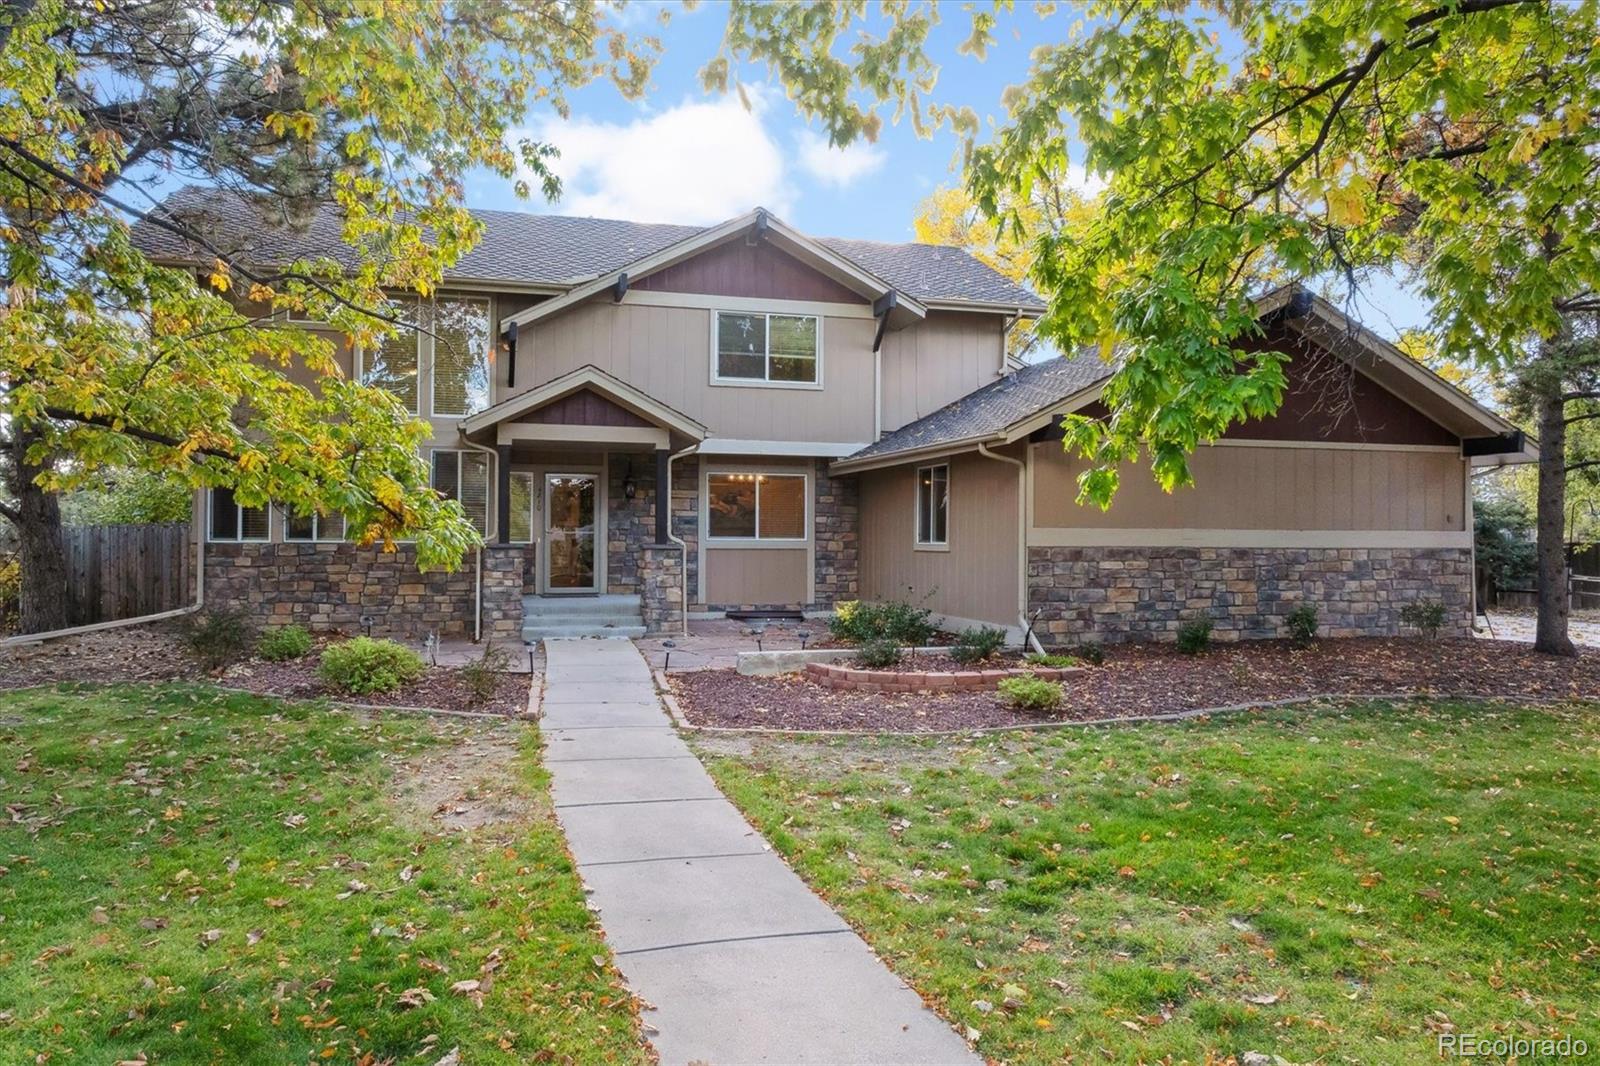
647, 422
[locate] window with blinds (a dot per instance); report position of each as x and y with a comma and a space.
756, 506
463, 476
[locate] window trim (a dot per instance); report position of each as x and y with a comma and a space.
433, 354
757, 541
316, 529
764, 383
489, 510
918, 543
239, 508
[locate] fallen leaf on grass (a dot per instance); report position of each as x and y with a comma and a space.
209, 937
413, 997
465, 988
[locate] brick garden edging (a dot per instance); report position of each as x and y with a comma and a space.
835, 675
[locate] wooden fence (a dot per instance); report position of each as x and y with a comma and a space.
116, 572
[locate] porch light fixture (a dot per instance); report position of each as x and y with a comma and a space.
629, 488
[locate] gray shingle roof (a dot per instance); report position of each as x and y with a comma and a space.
524, 248
994, 407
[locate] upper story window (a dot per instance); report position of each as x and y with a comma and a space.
752, 506
461, 341
757, 349
463, 476
231, 520
933, 506
313, 527
394, 365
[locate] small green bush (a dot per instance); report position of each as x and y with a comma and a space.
363, 665
1302, 622
1029, 693
1195, 636
1426, 617
878, 654
1093, 654
976, 645
281, 643
1054, 660
217, 637
856, 622
482, 675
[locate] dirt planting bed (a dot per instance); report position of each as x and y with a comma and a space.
1146, 679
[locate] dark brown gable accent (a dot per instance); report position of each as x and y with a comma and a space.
1329, 400
582, 408
758, 271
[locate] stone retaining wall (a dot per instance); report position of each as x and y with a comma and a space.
1120, 594
840, 676
334, 586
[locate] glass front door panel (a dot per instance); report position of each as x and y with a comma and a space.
569, 532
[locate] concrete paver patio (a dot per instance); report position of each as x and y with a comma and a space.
742, 962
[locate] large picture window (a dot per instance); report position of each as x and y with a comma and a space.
393, 365
460, 356
231, 520
933, 506
752, 506
463, 476
768, 349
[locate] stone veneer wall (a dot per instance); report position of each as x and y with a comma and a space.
1120, 594
837, 531
661, 584
630, 524
332, 586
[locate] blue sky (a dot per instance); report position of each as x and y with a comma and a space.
679, 155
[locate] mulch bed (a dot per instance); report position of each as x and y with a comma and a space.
1148, 679
154, 653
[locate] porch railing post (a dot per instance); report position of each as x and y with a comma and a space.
663, 496
502, 494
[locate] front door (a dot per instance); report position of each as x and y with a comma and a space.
569, 532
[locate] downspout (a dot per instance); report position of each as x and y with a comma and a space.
1022, 542
683, 585
477, 579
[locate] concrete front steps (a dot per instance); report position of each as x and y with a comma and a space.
546, 617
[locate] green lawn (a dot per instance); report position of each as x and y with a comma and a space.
1331, 886
206, 877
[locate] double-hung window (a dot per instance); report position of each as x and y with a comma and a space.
758, 349
933, 506
393, 364
460, 340
754, 506
232, 520
463, 476
313, 526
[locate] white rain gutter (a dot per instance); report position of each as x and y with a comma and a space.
477, 580
1022, 541
683, 584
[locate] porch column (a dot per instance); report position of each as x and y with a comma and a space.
502, 494
663, 497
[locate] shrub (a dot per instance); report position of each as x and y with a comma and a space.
364, 665
1029, 693
1195, 636
1302, 623
1053, 660
878, 654
858, 622
482, 675
282, 643
1427, 617
217, 637
976, 645
1093, 654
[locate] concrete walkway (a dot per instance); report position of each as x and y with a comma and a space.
741, 961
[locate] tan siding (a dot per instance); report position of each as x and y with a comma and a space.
752, 576
666, 352
1241, 487
977, 578
938, 360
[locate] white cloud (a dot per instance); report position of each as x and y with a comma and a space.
697, 163
837, 166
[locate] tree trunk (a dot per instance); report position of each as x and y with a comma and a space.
41, 555
1551, 632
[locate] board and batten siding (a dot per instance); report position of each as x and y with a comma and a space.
976, 579
936, 361
666, 353
1283, 487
